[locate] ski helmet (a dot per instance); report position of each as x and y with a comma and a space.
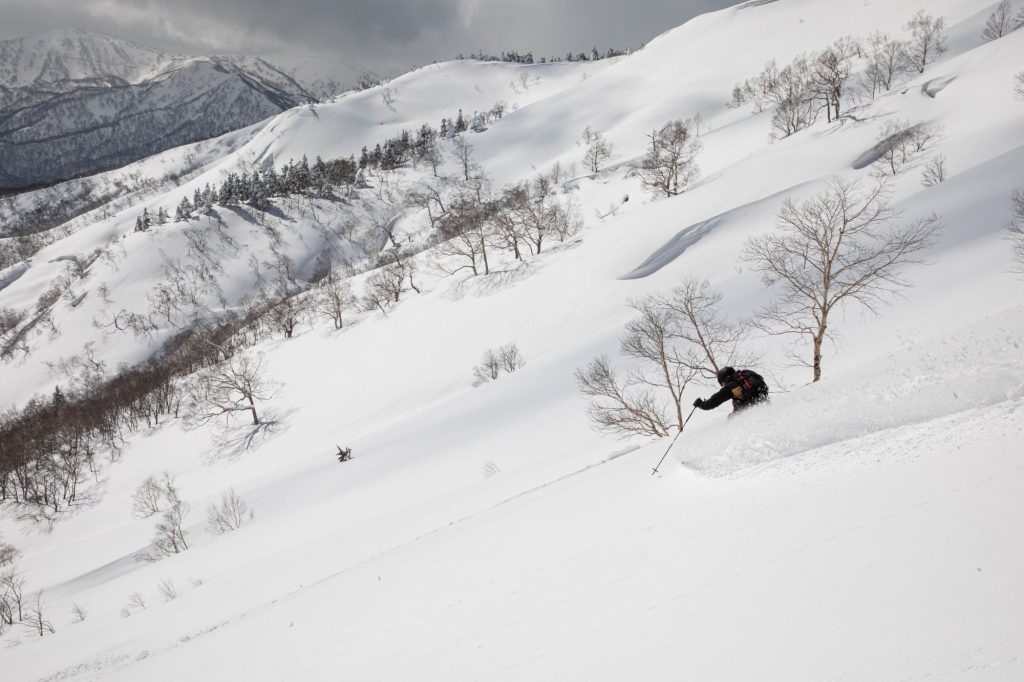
725, 374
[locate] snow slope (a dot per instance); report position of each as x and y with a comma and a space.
863, 528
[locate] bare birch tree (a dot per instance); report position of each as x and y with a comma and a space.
927, 41
836, 247
670, 164
1000, 22
1016, 227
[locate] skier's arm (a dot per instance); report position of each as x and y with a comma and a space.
717, 399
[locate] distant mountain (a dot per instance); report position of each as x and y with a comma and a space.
75, 102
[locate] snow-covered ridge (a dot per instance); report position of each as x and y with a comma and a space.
74, 102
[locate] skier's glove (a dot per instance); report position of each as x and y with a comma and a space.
698, 403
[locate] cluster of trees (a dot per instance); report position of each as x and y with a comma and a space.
497, 361
527, 58
423, 145
519, 220
160, 495
257, 188
16, 606
53, 447
798, 91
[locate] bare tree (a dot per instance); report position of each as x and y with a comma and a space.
334, 298
831, 72
427, 196
650, 339
78, 613
167, 590
169, 536
887, 60
511, 358
935, 172
467, 232
148, 496
1016, 227
8, 553
1000, 22
35, 620
462, 152
12, 597
136, 600
708, 341
676, 338
488, 369
229, 388
231, 514
670, 164
797, 99
598, 151
900, 142
620, 406
835, 247
506, 359
927, 41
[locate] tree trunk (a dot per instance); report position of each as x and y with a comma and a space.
252, 408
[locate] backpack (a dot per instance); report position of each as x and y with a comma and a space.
754, 386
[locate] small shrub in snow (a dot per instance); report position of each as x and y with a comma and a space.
136, 600
195, 582
1018, 84
231, 514
935, 172
506, 359
78, 613
167, 590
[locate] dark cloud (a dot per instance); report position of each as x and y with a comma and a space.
387, 35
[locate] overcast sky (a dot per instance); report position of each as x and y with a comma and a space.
386, 35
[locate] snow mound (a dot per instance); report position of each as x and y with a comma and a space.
976, 366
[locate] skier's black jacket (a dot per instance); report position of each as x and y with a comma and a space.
745, 388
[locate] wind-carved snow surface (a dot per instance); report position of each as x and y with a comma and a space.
977, 366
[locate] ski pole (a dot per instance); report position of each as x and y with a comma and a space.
685, 422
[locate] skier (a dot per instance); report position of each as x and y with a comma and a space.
744, 386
